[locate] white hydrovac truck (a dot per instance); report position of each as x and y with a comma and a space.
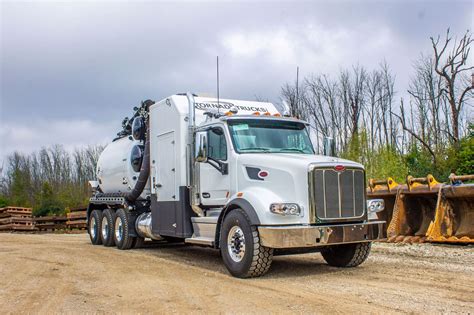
233, 175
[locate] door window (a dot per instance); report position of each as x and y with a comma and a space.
217, 144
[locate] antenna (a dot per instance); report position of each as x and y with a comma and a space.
217, 84
297, 89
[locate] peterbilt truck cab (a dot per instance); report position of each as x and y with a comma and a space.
234, 175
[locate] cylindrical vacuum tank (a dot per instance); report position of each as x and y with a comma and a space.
118, 166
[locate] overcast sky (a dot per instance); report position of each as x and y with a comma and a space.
70, 71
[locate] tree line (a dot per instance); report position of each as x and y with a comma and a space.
49, 180
431, 131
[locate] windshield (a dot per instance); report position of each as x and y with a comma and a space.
269, 136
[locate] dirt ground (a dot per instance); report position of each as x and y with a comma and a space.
63, 273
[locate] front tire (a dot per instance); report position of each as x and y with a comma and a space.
107, 228
346, 255
122, 237
241, 251
94, 227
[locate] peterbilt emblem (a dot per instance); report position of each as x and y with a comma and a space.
339, 168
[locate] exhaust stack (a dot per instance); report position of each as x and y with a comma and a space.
192, 178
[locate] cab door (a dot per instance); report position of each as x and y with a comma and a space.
214, 179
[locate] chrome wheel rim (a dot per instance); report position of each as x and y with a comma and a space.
92, 227
118, 229
236, 243
105, 228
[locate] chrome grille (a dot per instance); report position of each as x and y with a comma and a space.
336, 194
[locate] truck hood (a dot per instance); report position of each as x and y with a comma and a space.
294, 160
286, 180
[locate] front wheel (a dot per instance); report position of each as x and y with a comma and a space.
346, 255
241, 250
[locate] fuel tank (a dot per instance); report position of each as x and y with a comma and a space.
119, 165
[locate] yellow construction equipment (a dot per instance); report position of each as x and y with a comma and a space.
414, 209
425, 210
454, 220
387, 190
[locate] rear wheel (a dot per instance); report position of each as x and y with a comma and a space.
241, 251
122, 237
94, 227
107, 227
139, 241
346, 255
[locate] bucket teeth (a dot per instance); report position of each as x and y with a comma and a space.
391, 239
399, 238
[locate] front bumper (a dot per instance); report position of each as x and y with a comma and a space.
313, 236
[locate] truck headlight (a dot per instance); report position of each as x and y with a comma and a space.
285, 208
374, 206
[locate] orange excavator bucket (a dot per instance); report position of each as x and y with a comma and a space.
454, 219
414, 209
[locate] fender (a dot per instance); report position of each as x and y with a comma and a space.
234, 204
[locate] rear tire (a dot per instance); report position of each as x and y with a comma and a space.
346, 255
241, 251
95, 218
122, 237
107, 228
139, 241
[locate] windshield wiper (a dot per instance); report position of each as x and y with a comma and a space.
255, 148
292, 149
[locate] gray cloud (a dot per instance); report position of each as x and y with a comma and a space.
92, 61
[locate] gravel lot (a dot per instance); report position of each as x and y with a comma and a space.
48, 273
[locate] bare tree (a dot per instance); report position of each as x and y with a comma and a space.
386, 95
426, 92
412, 132
372, 111
321, 100
351, 94
293, 97
452, 67
66, 173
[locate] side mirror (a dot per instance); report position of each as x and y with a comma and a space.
329, 148
201, 147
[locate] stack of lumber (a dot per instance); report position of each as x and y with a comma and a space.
50, 223
77, 218
16, 219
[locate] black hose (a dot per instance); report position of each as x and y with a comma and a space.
145, 168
